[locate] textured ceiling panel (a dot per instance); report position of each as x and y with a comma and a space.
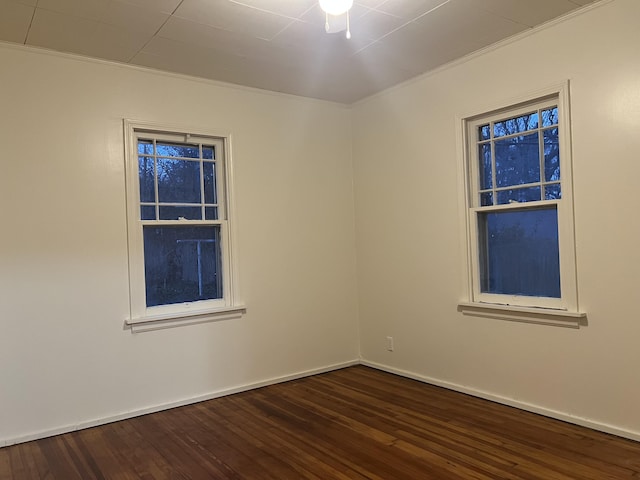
14, 21
279, 45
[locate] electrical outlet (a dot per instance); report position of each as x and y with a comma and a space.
390, 344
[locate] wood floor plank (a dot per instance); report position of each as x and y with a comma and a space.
325, 466
436, 435
375, 427
351, 424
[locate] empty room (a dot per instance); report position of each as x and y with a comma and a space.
286, 239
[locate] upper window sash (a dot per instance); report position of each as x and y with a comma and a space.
217, 160
483, 196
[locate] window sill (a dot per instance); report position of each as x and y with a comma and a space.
542, 316
158, 322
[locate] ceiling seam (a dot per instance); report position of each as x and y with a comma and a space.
401, 27
33, 15
265, 11
155, 33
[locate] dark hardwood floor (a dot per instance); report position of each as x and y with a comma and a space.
355, 423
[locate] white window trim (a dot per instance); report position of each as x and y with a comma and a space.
141, 317
565, 311
544, 316
159, 322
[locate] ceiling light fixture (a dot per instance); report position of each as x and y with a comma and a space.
336, 8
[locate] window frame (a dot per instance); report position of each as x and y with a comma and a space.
522, 306
142, 317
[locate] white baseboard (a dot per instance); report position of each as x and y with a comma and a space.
165, 406
585, 422
565, 417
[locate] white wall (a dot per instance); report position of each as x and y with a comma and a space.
409, 239
66, 359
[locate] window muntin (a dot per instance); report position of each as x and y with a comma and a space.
520, 216
179, 231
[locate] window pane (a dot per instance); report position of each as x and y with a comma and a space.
175, 213
520, 195
486, 199
516, 125
484, 132
484, 156
208, 153
519, 253
517, 160
211, 213
178, 181
145, 172
550, 117
182, 264
177, 150
210, 195
145, 147
551, 155
552, 192
147, 212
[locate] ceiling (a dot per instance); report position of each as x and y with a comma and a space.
278, 45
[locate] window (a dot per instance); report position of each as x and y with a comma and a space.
519, 208
180, 241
